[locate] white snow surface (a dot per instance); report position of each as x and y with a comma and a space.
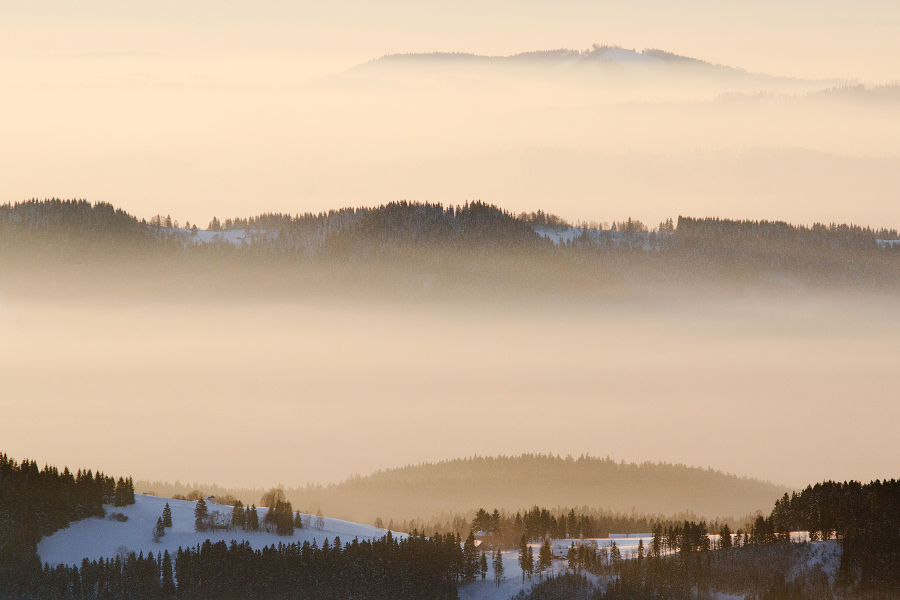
622, 55
825, 556
512, 582
104, 538
235, 237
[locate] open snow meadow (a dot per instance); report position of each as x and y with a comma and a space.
107, 537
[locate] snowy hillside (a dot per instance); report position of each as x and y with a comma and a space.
104, 538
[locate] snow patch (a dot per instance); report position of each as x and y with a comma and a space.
104, 538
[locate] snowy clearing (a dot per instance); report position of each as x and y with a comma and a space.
105, 538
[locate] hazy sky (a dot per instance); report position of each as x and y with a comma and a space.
230, 108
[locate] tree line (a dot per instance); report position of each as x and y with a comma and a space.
865, 518
760, 562
388, 568
35, 502
418, 250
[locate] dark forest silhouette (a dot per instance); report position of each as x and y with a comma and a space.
416, 250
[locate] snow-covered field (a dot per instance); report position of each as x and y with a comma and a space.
235, 237
105, 538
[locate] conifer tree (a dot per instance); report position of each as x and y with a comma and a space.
167, 516
159, 530
252, 518
484, 566
237, 515
470, 558
615, 557
168, 579
498, 567
526, 559
120, 496
725, 537
201, 513
571, 558
545, 556
656, 544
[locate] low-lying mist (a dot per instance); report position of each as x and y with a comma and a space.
792, 387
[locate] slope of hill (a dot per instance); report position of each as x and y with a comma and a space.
107, 537
519, 482
513, 483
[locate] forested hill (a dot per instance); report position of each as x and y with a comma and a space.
413, 249
513, 483
36, 502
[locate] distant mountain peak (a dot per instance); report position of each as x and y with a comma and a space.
596, 53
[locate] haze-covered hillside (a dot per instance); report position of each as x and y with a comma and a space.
409, 250
519, 482
619, 74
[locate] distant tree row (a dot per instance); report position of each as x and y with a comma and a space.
389, 569
420, 249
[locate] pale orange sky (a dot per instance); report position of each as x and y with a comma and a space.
231, 108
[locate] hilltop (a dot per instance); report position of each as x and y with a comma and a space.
519, 482
604, 66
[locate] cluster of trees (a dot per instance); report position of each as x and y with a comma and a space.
504, 530
280, 518
693, 569
162, 523
760, 563
66, 220
389, 568
245, 518
36, 502
865, 518
283, 518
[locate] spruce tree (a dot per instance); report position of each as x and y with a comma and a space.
526, 559
168, 579
615, 557
128, 493
725, 537
200, 515
545, 556
498, 567
484, 566
120, 494
167, 516
158, 531
470, 558
237, 515
252, 518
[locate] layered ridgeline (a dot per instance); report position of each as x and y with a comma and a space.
622, 73
411, 249
427, 490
